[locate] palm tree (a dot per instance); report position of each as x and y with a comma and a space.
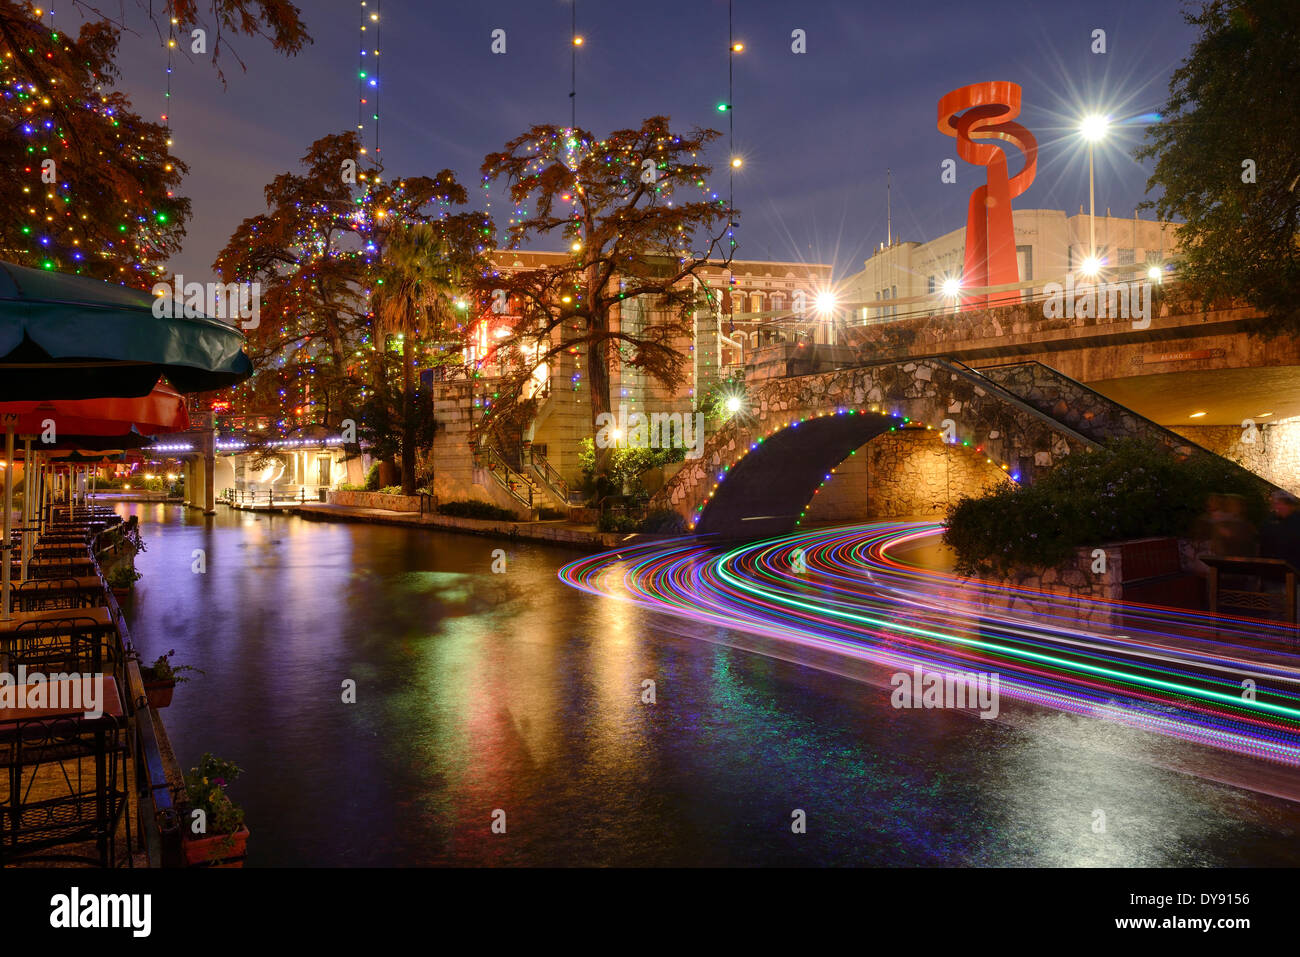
413, 301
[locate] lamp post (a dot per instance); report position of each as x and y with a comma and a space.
1093, 129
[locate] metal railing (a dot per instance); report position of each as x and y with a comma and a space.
550, 477
269, 497
157, 813
506, 477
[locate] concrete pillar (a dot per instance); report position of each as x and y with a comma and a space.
209, 472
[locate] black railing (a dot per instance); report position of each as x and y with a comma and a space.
550, 476
515, 484
157, 813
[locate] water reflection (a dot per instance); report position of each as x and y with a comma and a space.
479, 692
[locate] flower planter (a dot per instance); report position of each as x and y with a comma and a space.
121, 592
159, 693
217, 850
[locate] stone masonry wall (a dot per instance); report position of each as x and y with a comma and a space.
456, 475
392, 503
1274, 455
907, 474
1074, 583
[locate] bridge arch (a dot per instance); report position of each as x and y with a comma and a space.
756, 475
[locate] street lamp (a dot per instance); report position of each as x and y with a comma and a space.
1093, 130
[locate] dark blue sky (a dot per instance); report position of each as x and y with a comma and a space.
817, 130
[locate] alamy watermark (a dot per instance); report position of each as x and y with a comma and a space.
190, 300
1099, 300
938, 689
61, 692
656, 430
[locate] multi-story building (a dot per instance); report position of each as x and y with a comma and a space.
742, 306
1049, 244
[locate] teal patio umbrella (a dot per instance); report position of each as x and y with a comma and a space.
70, 337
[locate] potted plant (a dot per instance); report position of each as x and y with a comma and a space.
162, 677
121, 578
218, 836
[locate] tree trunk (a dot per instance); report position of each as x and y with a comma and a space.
598, 365
408, 422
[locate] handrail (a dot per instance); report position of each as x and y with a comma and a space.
495, 464
550, 476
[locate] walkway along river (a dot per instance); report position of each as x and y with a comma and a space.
479, 691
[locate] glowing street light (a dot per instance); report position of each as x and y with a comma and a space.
1091, 266
737, 162
826, 302
951, 287
734, 404
1155, 273
1094, 127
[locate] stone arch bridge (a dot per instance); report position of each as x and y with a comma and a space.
758, 473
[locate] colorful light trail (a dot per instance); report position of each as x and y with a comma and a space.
1224, 682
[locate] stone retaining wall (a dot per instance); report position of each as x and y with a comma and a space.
392, 503
1273, 455
1072, 590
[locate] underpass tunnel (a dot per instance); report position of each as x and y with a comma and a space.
764, 493
842, 469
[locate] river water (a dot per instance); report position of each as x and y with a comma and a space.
479, 693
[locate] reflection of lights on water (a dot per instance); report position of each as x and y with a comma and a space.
900, 614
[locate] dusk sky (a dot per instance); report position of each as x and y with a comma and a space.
817, 131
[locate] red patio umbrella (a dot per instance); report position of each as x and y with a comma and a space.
119, 420
161, 411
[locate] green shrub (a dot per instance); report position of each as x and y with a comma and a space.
663, 521
624, 469
550, 514
372, 478
205, 787
470, 509
123, 576
1130, 489
616, 522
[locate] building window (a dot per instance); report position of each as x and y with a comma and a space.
1025, 261
1126, 257
930, 285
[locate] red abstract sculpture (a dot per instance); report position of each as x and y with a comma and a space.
990, 232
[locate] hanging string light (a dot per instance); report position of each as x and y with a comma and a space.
368, 73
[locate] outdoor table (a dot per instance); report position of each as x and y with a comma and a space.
88, 589
44, 549
66, 568
31, 737
95, 623
98, 617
